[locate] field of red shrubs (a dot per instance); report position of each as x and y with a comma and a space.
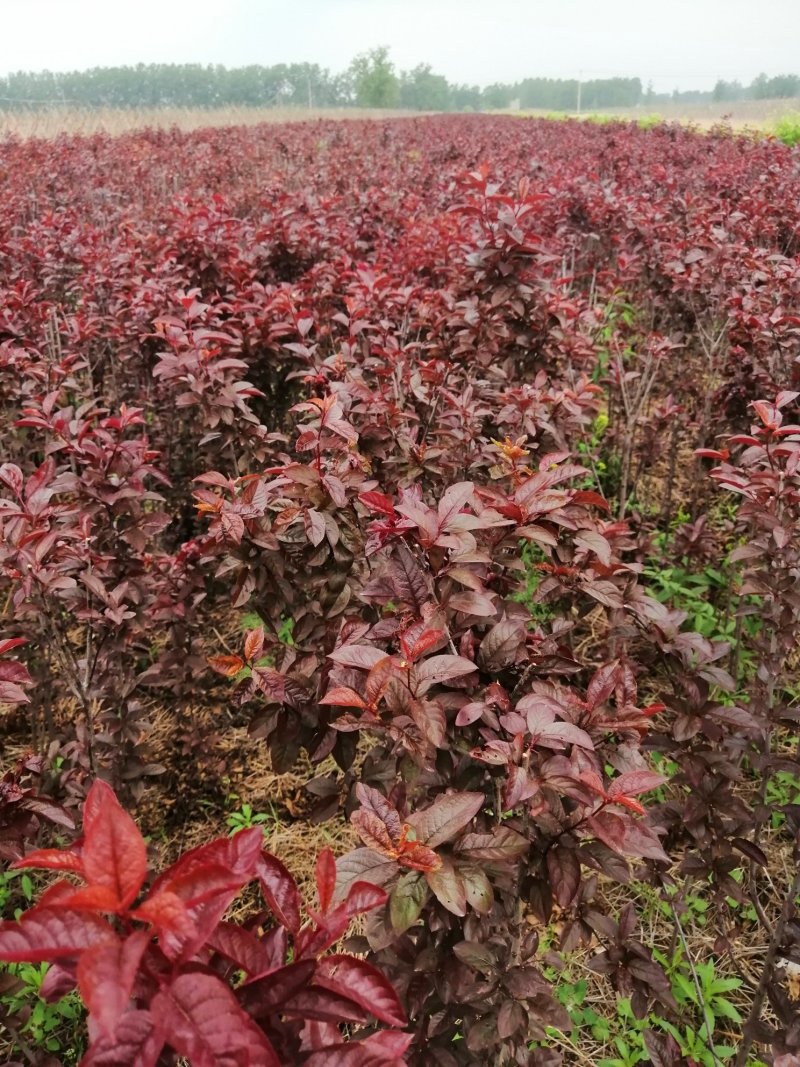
456, 459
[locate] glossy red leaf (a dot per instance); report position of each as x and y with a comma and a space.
138, 1041
362, 983
280, 892
106, 975
114, 853
52, 933
52, 859
228, 666
249, 953
325, 874
204, 1023
254, 644
343, 697
373, 832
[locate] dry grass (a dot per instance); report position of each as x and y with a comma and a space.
51, 122
54, 121
744, 114
752, 114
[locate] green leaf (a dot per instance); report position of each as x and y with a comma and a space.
407, 900
726, 1010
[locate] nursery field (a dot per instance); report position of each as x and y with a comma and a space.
399, 596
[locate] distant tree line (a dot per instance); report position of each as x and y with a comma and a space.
782, 87
371, 80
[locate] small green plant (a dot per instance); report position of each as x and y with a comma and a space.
700, 988
744, 909
13, 886
285, 631
702, 997
695, 1045
705, 597
246, 817
783, 788
54, 1027
787, 129
532, 556
251, 621
582, 1015
667, 767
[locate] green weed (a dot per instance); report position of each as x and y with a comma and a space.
787, 129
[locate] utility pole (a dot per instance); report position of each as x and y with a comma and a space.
578, 104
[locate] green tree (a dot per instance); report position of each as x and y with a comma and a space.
422, 90
374, 81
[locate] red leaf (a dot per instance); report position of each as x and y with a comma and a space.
325, 1006
602, 684
137, 1042
362, 863
205, 1024
11, 477
344, 697
12, 642
595, 542
373, 800
232, 526
430, 718
229, 666
608, 828
243, 949
446, 817
564, 869
362, 656
373, 832
51, 859
424, 641
315, 526
50, 933
502, 844
453, 500
325, 878
418, 857
387, 1048
253, 645
379, 677
168, 913
632, 783
362, 983
363, 896
92, 898
472, 603
238, 855
11, 693
378, 502
266, 996
439, 669
206, 879
106, 974
503, 645
280, 892
448, 887
114, 853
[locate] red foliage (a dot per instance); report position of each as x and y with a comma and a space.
159, 971
338, 374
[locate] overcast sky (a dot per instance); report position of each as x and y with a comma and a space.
677, 43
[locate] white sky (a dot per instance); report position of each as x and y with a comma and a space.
680, 43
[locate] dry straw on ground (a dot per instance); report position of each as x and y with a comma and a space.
51, 122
